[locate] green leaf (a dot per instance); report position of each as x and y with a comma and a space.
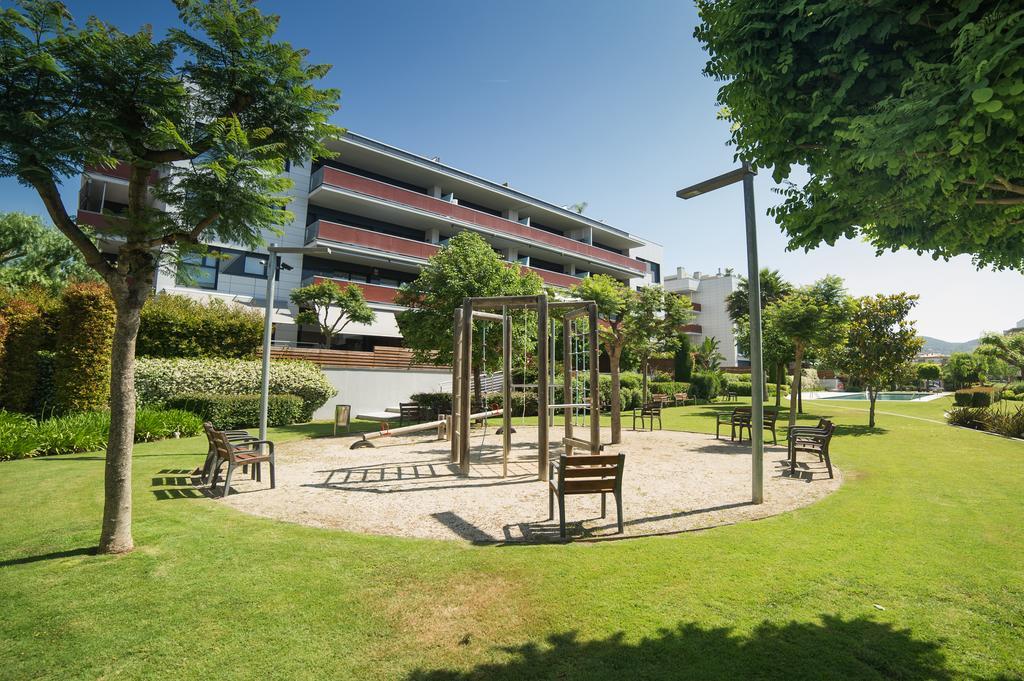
982, 94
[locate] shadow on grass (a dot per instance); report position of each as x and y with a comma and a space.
834, 648
83, 551
859, 430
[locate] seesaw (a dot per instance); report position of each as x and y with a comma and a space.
442, 425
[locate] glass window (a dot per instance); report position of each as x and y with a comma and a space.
255, 265
198, 271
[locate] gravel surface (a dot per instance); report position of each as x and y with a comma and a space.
673, 482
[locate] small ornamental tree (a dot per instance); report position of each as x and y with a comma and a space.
961, 370
81, 369
929, 371
907, 121
682, 366
203, 119
331, 307
881, 343
776, 350
653, 319
708, 357
812, 318
467, 267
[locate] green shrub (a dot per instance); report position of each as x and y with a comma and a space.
705, 385
980, 396
1007, 422
174, 326
81, 364
669, 388
238, 411
682, 362
438, 402
1017, 387
157, 424
967, 417
25, 333
630, 379
1010, 395
155, 379
736, 378
18, 437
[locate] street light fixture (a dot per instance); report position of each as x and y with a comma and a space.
274, 264
745, 173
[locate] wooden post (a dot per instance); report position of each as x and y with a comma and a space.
456, 383
542, 388
595, 387
506, 391
567, 381
466, 393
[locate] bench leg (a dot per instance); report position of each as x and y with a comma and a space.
618, 511
604, 510
828, 463
227, 479
273, 483
551, 503
561, 517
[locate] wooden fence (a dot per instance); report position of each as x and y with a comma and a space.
379, 358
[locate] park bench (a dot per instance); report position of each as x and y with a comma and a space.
740, 418
238, 436
814, 440
648, 412
241, 453
679, 399
412, 412
586, 474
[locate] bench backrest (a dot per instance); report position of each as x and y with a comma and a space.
409, 409
771, 415
651, 409
589, 473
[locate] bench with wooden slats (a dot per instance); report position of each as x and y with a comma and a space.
586, 474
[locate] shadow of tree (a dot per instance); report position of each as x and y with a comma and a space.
832, 649
858, 430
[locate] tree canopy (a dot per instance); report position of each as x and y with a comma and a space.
1009, 348
908, 119
33, 254
331, 307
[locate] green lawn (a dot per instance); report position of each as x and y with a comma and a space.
912, 570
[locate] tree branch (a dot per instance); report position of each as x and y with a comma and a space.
1000, 202
47, 191
191, 236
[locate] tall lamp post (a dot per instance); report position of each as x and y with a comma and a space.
745, 173
273, 267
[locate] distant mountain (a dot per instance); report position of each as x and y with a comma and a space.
947, 347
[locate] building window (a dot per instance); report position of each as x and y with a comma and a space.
199, 271
255, 265
654, 268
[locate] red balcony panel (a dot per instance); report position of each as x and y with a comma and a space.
122, 171
555, 278
696, 307
97, 220
372, 292
692, 328
332, 231
382, 190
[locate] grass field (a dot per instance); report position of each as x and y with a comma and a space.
912, 570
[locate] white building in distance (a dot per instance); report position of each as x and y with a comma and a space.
708, 292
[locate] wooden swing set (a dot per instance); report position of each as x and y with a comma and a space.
581, 395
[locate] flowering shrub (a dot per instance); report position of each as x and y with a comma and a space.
157, 380
239, 411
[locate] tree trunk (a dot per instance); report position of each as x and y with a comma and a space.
614, 355
872, 396
780, 369
116, 535
800, 383
793, 394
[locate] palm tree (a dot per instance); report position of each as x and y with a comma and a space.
773, 288
707, 357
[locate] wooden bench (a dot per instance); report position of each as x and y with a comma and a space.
586, 474
247, 453
648, 412
211, 463
814, 440
411, 412
741, 417
679, 399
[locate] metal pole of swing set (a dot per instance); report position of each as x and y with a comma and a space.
745, 174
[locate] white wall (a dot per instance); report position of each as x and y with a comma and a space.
377, 389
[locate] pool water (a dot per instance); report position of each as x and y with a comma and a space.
882, 397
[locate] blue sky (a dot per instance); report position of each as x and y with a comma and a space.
596, 101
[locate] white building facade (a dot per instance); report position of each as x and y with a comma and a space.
708, 293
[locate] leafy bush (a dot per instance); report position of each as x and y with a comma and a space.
741, 389
736, 378
669, 388
705, 385
980, 396
437, 402
22, 436
174, 326
238, 411
967, 417
81, 366
25, 332
156, 379
629, 379
1010, 395
1017, 387
1008, 422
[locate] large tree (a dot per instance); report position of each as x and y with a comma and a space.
776, 350
881, 343
908, 118
33, 254
652, 320
1009, 348
814, 319
467, 267
773, 287
204, 119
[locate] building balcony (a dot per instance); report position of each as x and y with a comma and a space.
122, 171
387, 245
339, 179
374, 293
696, 307
692, 328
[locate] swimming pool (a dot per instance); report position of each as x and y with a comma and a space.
882, 397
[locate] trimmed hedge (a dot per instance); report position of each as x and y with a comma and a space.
20, 367
238, 411
437, 402
178, 326
85, 336
705, 385
22, 436
669, 388
981, 396
158, 379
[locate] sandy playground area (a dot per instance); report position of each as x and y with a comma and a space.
673, 482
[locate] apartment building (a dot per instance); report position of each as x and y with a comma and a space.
708, 293
383, 212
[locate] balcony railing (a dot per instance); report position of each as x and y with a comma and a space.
333, 177
692, 328
374, 293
